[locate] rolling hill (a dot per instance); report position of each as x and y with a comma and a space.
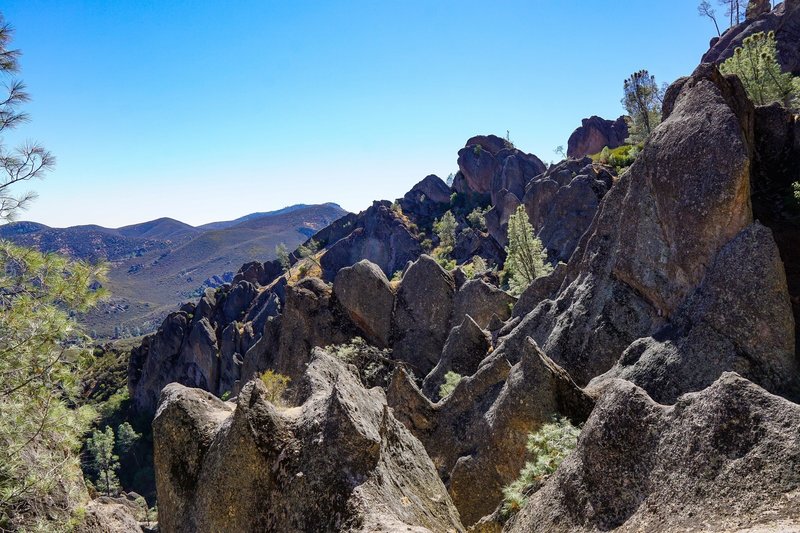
158, 264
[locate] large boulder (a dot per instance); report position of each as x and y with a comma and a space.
657, 231
379, 235
481, 301
337, 462
594, 134
739, 319
427, 200
465, 348
422, 315
366, 296
723, 459
562, 202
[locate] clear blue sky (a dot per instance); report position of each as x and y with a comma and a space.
207, 111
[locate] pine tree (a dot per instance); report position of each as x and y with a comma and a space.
106, 463
755, 63
642, 100
526, 259
282, 253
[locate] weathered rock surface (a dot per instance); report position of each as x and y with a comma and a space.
481, 301
108, 515
594, 134
366, 296
739, 319
562, 202
657, 231
379, 236
338, 462
784, 20
723, 459
422, 314
477, 435
539, 290
466, 347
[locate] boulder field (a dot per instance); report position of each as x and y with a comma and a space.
667, 331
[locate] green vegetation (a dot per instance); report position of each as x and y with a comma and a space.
526, 259
620, 158
477, 218
796, 189
375, 366
309, 251
42, 353
475, 268
548, 446
756, 64
276, 385
445, 229
451, 379
104, 449
282, 254
642, 100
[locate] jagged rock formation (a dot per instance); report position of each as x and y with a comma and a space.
337, 462
476, 436
594, 134
784, 20
723, 459
562, 202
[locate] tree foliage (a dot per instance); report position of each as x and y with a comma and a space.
526, 259
282, 254
548, 447
642, 99
42, 352
105, 462
756, 64
276, 385
451, 379
29, 160
445, 229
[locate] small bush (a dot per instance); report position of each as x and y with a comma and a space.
477, 219
548, 446
451, 379
375, 366
276, 385
796, 189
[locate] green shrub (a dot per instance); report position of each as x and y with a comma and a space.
548, 447
526, 259
755, 63
477, 219
276, 385
451, 379
796, 189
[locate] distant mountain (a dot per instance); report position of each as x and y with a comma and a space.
158, 264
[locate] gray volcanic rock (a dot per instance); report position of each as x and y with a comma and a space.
488, 165
423, 308
427, 200
465, 348
739, 319
312, 317
723, 459
657, 231
476, 436
380, 236
481, 301
108, 515
594, 134
540, 289
338, 462
562, 202
366, 296
784, 20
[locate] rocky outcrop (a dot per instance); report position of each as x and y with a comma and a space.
423, 309
337, 462
380, 236
739, 319
490, 167
110, 515
477, 435
482, 301
427, 200
465, 348
562, 202
784, 20
594, 134
657, 231
724, 459
540, 289
366, 296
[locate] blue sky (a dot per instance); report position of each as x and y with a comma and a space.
207, 111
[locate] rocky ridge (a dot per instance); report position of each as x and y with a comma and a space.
668, 328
